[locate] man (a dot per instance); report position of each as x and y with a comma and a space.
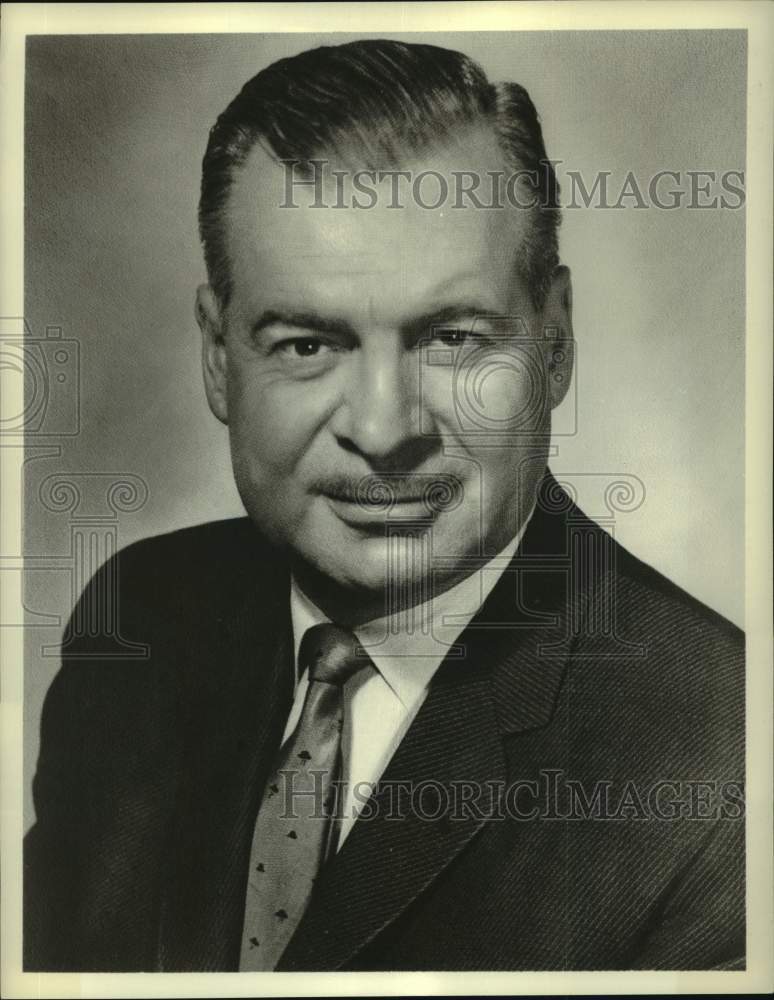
416, 711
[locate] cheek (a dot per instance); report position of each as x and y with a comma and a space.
489, 392
272, 425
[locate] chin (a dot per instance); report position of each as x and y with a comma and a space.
357, 564
374, 566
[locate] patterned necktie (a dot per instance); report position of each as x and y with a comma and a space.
296, 827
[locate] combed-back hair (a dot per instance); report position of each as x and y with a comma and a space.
385, 102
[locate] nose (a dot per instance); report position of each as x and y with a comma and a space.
380, 414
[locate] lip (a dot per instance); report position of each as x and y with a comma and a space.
355, 513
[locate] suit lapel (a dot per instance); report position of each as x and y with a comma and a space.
388, 859
507, 682
235, 694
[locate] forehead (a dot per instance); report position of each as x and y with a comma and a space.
279, 244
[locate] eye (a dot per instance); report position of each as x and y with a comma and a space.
469, 332
305, 348
452, 336
302, 347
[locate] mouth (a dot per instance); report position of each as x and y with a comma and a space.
374, 499
359, 513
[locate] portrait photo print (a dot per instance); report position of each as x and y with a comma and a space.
384, 501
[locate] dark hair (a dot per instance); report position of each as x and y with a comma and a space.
386, 99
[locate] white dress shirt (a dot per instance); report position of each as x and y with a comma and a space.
380, 702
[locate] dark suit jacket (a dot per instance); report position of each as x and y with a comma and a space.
584, 665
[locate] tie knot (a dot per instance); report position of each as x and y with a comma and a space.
330, 654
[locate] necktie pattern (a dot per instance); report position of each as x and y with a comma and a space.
296, 828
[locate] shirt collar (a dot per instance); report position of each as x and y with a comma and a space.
407, 648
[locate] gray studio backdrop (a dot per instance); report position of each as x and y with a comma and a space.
122, 444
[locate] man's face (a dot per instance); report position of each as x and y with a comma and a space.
369, 351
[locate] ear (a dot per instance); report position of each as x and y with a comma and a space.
213, 351
557, 331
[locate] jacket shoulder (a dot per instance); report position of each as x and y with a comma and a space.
217, 556
671, 612
667, 664
162, 585
232, 539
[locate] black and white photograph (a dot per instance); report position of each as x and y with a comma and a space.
387, 460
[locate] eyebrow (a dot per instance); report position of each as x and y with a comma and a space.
302, 321
415, 327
